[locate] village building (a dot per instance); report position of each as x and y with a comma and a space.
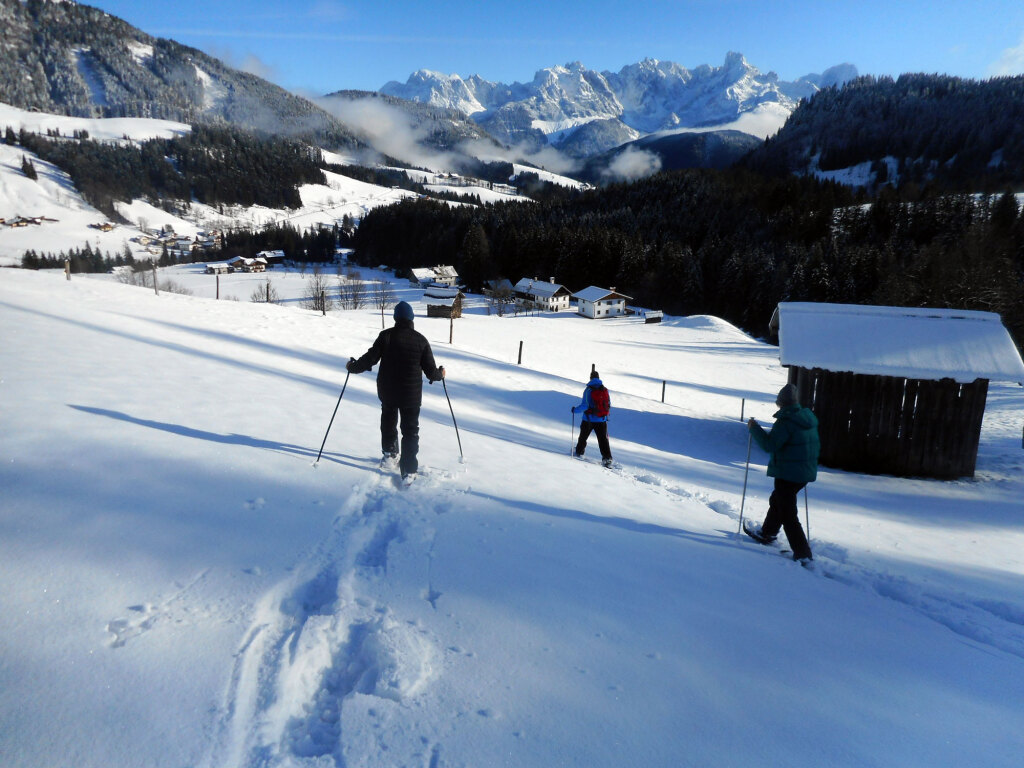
501, 287
599, 303
272, 258
240, 263
649, 316
546, 295
443, 302
896, 390
439, 275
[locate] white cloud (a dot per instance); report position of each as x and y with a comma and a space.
329, 10
634, 164
254, 65
1011, 62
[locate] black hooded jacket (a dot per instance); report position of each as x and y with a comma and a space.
405, 357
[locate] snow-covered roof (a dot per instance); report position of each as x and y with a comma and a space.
593, 293
543, 288
439, 292
904, 342
446, 271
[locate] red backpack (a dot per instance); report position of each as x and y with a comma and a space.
600, 402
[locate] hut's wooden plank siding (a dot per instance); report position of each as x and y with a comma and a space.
445, 309
889, 425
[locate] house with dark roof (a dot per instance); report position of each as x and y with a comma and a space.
546, 295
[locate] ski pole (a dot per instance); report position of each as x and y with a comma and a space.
807, 515
461, 457
746, 470
347, 374
572, 434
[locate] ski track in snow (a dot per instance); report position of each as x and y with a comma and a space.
321, 641
993, 623
321, 644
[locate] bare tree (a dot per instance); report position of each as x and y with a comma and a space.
315, 296
382, 295
351, 291
265, 294
499, 301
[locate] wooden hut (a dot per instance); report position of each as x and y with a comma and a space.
896, 390
443, 302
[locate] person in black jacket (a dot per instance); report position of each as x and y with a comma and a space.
405, 357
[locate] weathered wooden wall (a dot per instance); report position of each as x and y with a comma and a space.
887, 425
444, 310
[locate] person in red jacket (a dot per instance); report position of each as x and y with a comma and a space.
595, 407
405, 357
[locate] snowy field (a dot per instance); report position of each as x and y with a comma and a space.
181, 586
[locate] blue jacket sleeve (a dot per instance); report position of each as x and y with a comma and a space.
582, 407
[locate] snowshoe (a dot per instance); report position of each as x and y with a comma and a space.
754, 532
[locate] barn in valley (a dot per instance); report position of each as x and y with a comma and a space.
896, 390
443, 302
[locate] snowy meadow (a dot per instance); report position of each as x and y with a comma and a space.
180, 585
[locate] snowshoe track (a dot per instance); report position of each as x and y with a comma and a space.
323, 647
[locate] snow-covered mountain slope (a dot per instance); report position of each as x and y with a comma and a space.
63, 220
646, 97
180, 586
74, 59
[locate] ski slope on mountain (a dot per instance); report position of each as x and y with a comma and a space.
180, 585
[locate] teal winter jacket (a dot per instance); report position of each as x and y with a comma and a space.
793, 444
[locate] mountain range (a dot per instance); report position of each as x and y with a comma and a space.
68, 58
584, 112
73, 59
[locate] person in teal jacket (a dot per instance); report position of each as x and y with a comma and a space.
793, 446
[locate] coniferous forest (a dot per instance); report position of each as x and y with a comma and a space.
731, 244
213, 165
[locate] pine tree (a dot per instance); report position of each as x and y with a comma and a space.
28, 169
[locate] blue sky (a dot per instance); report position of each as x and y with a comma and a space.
319, 46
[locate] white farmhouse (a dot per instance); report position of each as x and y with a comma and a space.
540, 294
439, 275
600, 303
446, 276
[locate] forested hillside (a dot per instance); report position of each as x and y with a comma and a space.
214, 165
731, 244
961, 134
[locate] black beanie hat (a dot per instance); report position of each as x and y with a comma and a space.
788, 395
403, 311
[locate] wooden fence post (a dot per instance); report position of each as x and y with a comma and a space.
156, 289
218, 286
67, 268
